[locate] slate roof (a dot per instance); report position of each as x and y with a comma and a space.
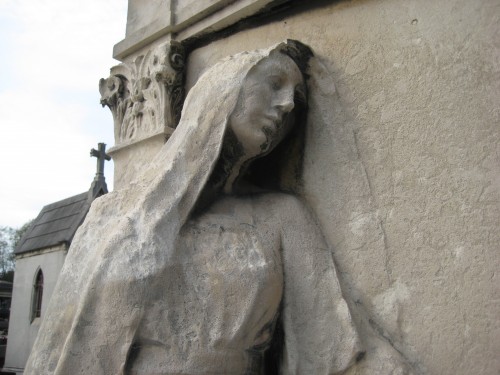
55, 224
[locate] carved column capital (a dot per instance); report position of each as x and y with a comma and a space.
145, 96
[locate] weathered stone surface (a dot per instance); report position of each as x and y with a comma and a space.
145, 98
155, 21
131, 159
141, 14
402, 168
198, 267
23, 328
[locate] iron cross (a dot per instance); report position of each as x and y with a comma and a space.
101, 156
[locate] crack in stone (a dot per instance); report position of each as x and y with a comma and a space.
380, 221
413, 365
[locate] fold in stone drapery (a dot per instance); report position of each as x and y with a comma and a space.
113, 266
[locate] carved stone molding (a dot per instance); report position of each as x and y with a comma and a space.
145, 97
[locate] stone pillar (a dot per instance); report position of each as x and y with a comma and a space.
145, 98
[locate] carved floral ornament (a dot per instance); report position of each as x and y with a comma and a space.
145, 97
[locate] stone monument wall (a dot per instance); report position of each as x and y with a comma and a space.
402, 163
402, 166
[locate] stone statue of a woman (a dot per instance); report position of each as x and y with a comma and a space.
204, 265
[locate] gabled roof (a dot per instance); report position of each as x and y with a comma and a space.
55, 224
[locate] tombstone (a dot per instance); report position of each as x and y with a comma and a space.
399, 168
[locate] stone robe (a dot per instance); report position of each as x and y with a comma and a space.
128, 266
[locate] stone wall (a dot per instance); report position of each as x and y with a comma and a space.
402, 164
403, 167
23, 331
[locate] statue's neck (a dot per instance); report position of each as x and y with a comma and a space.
232, 164
227, 172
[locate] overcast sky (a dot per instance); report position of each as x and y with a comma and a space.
53, 54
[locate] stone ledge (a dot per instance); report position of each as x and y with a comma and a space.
213, 16
46, 250
226, 17
166, 134
141, 38
129, 158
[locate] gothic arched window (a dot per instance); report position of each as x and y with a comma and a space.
36, 305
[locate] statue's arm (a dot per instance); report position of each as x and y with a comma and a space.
319, 336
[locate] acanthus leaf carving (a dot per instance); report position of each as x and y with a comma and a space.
145, 97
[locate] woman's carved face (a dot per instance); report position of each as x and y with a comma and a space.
263, 115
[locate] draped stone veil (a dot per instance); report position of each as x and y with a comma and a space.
115, 261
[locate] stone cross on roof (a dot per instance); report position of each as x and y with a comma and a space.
98, 186
101, 156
